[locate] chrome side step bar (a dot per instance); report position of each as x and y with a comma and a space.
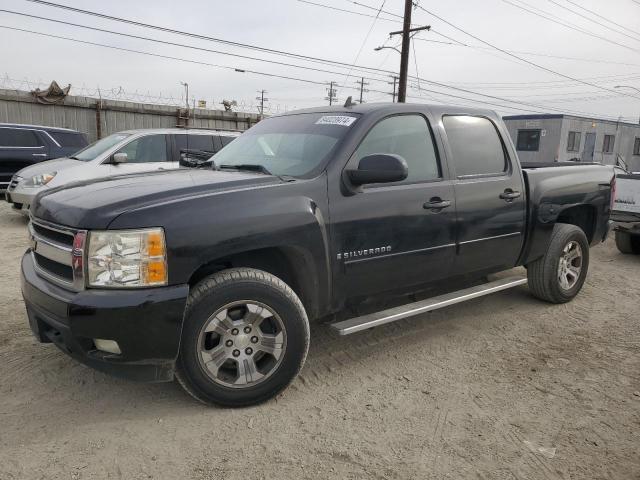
353, 325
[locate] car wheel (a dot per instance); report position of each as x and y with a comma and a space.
558, 276
628, 243
245, 338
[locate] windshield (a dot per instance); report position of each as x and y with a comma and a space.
291, 145
99, 147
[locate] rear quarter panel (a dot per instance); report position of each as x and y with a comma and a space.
553, 190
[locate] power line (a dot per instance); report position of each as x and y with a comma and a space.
237, 69
552, 18
366, 37
599, 16
580, 14
204, 37
515, 56
520, 52
182, 45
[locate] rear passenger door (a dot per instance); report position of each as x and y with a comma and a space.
490, 196
19, 148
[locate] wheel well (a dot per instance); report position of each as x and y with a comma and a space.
583, 216
287, 263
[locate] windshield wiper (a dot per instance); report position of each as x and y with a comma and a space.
73, 157
250, 167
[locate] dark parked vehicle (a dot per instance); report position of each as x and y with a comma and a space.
24, 145
212, 275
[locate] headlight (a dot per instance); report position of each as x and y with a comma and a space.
127, 258
40, 180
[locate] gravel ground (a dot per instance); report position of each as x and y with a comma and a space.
503, 387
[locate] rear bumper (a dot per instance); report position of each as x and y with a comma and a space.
146, 323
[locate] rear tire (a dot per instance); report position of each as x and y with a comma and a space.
627, 243
558, 276
245, 338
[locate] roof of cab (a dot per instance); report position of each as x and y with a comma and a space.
365, 108
37, 127
195, 131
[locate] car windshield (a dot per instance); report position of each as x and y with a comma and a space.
290, 145
98, 148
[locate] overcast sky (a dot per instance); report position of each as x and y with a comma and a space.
302, 28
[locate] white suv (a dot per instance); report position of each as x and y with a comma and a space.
132, 151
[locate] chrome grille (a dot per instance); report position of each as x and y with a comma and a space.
52, 249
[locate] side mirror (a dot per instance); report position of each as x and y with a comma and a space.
379, 168
119, 158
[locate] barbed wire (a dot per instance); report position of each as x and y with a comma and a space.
120, 94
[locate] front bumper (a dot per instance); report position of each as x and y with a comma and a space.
146, 323
21, 197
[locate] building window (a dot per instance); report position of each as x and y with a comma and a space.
528, 140
573, 143
636, 146
607, 144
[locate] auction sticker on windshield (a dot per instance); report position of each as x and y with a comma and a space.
343, 120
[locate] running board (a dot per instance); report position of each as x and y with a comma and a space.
353, 325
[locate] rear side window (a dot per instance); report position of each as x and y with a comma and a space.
226, 140
69, 139
408, 136
19, 137
528, 141
475, 145
201, 142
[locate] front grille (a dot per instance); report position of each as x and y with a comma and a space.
53, 252
65, 272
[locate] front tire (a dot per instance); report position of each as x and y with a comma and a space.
627, 243
558, 276
245, 338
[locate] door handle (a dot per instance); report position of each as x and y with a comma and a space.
436, 203
510, 195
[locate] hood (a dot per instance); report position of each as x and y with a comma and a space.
95, 203
49, 166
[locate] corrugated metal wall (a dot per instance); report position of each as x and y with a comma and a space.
85, 114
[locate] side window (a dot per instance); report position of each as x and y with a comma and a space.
69, 139
226, 140
201, 142
408, 136
607, 144
573, 142
19, 137
152, 148
476, 146
528, 141
636, 146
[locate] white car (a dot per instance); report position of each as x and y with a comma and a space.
131, 151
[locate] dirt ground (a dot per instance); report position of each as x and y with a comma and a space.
503, 387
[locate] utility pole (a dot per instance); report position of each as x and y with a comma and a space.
186, 95
395, 82
331, 93
262, 100
404, 54
362, 83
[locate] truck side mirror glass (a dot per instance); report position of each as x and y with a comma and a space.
119, 158
379, 168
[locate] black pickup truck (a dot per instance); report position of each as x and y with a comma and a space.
212, 274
